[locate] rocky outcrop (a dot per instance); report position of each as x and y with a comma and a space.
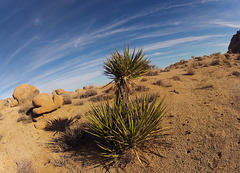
44, 103
25, 93
234, 46
60, 91
79, 90
14, 103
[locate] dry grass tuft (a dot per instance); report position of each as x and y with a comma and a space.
25, 109
101, 98
152, 73
25, 166
141, 88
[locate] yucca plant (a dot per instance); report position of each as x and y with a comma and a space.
119, 126
122, 68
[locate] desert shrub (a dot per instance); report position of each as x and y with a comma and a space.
66, 99
216, 54
152, 73
24, 109
25, 166
25, 119
190, 71
101, 98
199, 58
215, 62
121, 126
236, 73
89, 93
238, 57
144, 79
163, 83
79, 103
141, 88
176, 78
227, 55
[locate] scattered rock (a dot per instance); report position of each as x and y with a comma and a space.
44, 103
85, 87
234, 46
79, 90
60, 91
14, 103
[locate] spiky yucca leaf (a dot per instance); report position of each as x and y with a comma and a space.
120, 126
122, 68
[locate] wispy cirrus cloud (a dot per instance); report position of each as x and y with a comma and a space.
164, 44
226, 24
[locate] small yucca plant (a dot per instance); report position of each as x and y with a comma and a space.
122, 68
120, 126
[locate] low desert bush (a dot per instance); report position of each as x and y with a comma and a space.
25, 166
216, 54
66, 99
190, 71
91, 86
121, 126
152, 73
236, 73
176, 78
144, 79
79, 103
227, 55
164, 83
101, 98
141, 88
24, 109
215, 62
89, 93
25, 119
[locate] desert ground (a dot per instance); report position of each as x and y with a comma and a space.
203, 123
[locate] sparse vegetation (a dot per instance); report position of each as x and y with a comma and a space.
190, 71
89, 93
25, 109
227, 55
66, 98
236, 73
144, 79
215, 62
79, 103
141, 88
25, 119
216, 54
153, 72
164, 83
122, 68
176, 78
120, 127
25, 166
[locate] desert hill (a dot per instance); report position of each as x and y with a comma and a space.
203, 121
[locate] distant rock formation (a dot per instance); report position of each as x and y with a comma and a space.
24, 93
44, 103
234, 46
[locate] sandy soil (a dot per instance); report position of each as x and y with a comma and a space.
203, 120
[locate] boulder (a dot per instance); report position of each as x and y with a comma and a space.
79, 90
44, 103
25, 93
85, 87
14, 103
60, 91
234, 46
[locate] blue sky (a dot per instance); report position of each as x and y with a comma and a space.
55, 44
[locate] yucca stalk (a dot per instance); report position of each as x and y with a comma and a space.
122, 68
119, 126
